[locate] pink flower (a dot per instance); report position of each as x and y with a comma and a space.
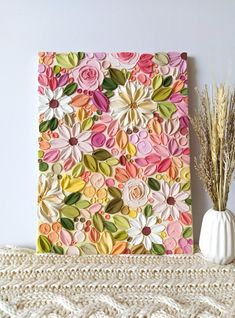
72, 142
145, 63
89, 74
179, 60
124, 59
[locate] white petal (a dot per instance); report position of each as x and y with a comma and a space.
142, 220
157, 228
155, 238
59, 113
77, 153
151, 221
85, 146
59, 143
76, 130
166, 213
135, 223
65, 152
133, 231
49, 114
165, 189
147, 243
84, 136
43, 99
160, 207
49, 93
175, 213
58, 93
159, 196
181, 196
174, 190
42, 108
183, 207
64, 132
66, 108
65, 100
137, 240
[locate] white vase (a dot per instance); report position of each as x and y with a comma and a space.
217, 237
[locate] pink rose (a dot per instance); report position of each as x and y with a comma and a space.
124, 59
89, 74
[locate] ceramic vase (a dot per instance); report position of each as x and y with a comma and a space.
217, 237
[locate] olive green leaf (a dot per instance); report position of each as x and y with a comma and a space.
105, 169
78, 170
120, 236
187, 232
153, 184
69, 60
166, 109
115, 192
110, 226
43, 244
114, 206
185, 186
87, 124
188, 201
112, 161
162, 58
70, 211
44, 126
88, 249
82, 204
161, 94
184, 91
121, 222
72, 198
101, 154
148, 210
98, 222
167, 81
58, 249
91, 163
117, 76
158, 249
157, 81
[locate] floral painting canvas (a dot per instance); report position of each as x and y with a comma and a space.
113, 155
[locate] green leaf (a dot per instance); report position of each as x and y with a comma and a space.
157, 81
114, 206
44, 126
101, 154
186, 186
91, 163
43, 166
105, 169
153, 184
184, 91
67, 224
162, 58
83, 204
56, 69
88, 249
72, 198
121, 222
161, 94
166, 109
70, 89
188, 201
167, 81
148, 210
43, 244
158, 249
81, 55
87, 123
109, 94
108, 84
120, 236
110, 226
98, 222
53, 123
58, 249
70, 211
78, 170
117, 76
112, 161
187, 232
69, 60
115, 192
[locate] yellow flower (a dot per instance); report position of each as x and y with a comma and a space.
132, 106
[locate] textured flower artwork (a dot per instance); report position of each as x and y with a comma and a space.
113, 154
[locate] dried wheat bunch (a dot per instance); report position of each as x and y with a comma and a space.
214, 124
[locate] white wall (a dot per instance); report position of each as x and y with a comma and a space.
205, 29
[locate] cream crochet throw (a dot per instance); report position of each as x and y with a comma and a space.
143, 286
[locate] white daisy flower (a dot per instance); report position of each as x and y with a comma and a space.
54, 104
170, 201
145, 230
72, 142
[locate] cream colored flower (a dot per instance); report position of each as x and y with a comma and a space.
132, 106
49, 198
135, 193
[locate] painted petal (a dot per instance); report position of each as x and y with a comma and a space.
147, 242
142, 220
59, 143
59, 113
137, 240
77, 153
58, 93
164, 165
181, 196
65, 100
134, 232
174, 190
79, 236
183, 207
134, 223
48, 93
65, 152
73, 250
66, 108
159, 196
151, 221
166, 213
51, 155
157, 228
162, 151
85, 146
76, 130
49, 114
64, 132
42, 108
175, 213
155, 238
166, 189
84, 136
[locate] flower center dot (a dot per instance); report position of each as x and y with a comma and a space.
73, 141
134, 105
54, 103
183, 56
170, 201
146, 230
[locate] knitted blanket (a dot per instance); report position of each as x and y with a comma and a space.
54, 286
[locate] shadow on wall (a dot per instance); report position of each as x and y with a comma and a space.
199, 200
